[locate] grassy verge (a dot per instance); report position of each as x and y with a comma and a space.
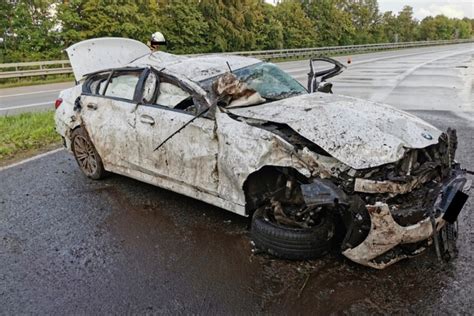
26, 134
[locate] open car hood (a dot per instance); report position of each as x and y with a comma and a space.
103, 53
359, 133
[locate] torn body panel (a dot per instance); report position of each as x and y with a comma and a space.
244, 149
65, 117
392, 187
385, 235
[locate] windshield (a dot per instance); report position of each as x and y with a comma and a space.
270, 81
267, 79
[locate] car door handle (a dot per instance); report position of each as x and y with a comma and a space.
92, 106
147, 119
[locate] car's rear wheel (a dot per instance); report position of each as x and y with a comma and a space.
294, 243
86, 155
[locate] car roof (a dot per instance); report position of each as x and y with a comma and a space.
196, 68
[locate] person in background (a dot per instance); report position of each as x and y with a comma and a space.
156, 40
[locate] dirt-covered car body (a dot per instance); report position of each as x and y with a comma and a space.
200, 127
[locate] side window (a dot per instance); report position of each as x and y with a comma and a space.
122, 85
173, 96
97, 84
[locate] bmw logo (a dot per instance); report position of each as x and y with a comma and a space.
427, 135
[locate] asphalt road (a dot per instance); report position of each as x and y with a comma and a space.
30, 98
70, 245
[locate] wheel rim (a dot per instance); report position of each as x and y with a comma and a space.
85, 155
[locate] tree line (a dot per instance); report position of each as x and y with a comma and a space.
42, 29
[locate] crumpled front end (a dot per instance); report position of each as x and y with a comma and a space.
406, 204
382, 213
388, 242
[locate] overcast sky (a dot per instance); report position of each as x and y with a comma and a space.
423, 8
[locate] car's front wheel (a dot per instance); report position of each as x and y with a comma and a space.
294, 243
86, 155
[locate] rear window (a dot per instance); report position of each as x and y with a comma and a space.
122, 85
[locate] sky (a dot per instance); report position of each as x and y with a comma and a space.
423, 8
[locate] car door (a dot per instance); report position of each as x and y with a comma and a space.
108, 114
189, 158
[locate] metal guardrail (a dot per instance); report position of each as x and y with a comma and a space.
44, 68
34, 68
309, 52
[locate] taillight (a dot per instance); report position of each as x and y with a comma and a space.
58, 102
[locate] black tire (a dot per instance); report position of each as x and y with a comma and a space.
86, 155
291, 243
448, 236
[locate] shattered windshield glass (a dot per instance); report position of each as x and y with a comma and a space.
270, 81
267, 79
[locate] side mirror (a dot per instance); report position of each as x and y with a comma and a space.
316, 79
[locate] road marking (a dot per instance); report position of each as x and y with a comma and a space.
381, 95
29, 93
31, 159
356, 63
27, 105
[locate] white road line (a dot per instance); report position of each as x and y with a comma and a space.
29, 93
371, 60
27, 106
31, 159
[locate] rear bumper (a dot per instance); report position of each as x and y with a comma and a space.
386, 234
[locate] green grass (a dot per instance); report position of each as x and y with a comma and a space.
23, 133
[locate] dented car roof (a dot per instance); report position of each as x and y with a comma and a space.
195, 68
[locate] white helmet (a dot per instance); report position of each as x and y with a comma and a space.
157, 39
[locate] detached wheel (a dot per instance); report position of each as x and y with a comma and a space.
86, 156
288, 242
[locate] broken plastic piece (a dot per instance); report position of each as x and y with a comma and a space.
323, 192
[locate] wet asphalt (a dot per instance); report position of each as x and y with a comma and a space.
70, 245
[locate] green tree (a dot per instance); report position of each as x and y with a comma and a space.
333, 24
463, 28
30, 32
298, 29
444, 28
366, 20
389, 26
83, 19
406, 25
270, 32
184, 26
427, 29
232, 24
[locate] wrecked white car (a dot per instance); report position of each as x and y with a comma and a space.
314, 171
